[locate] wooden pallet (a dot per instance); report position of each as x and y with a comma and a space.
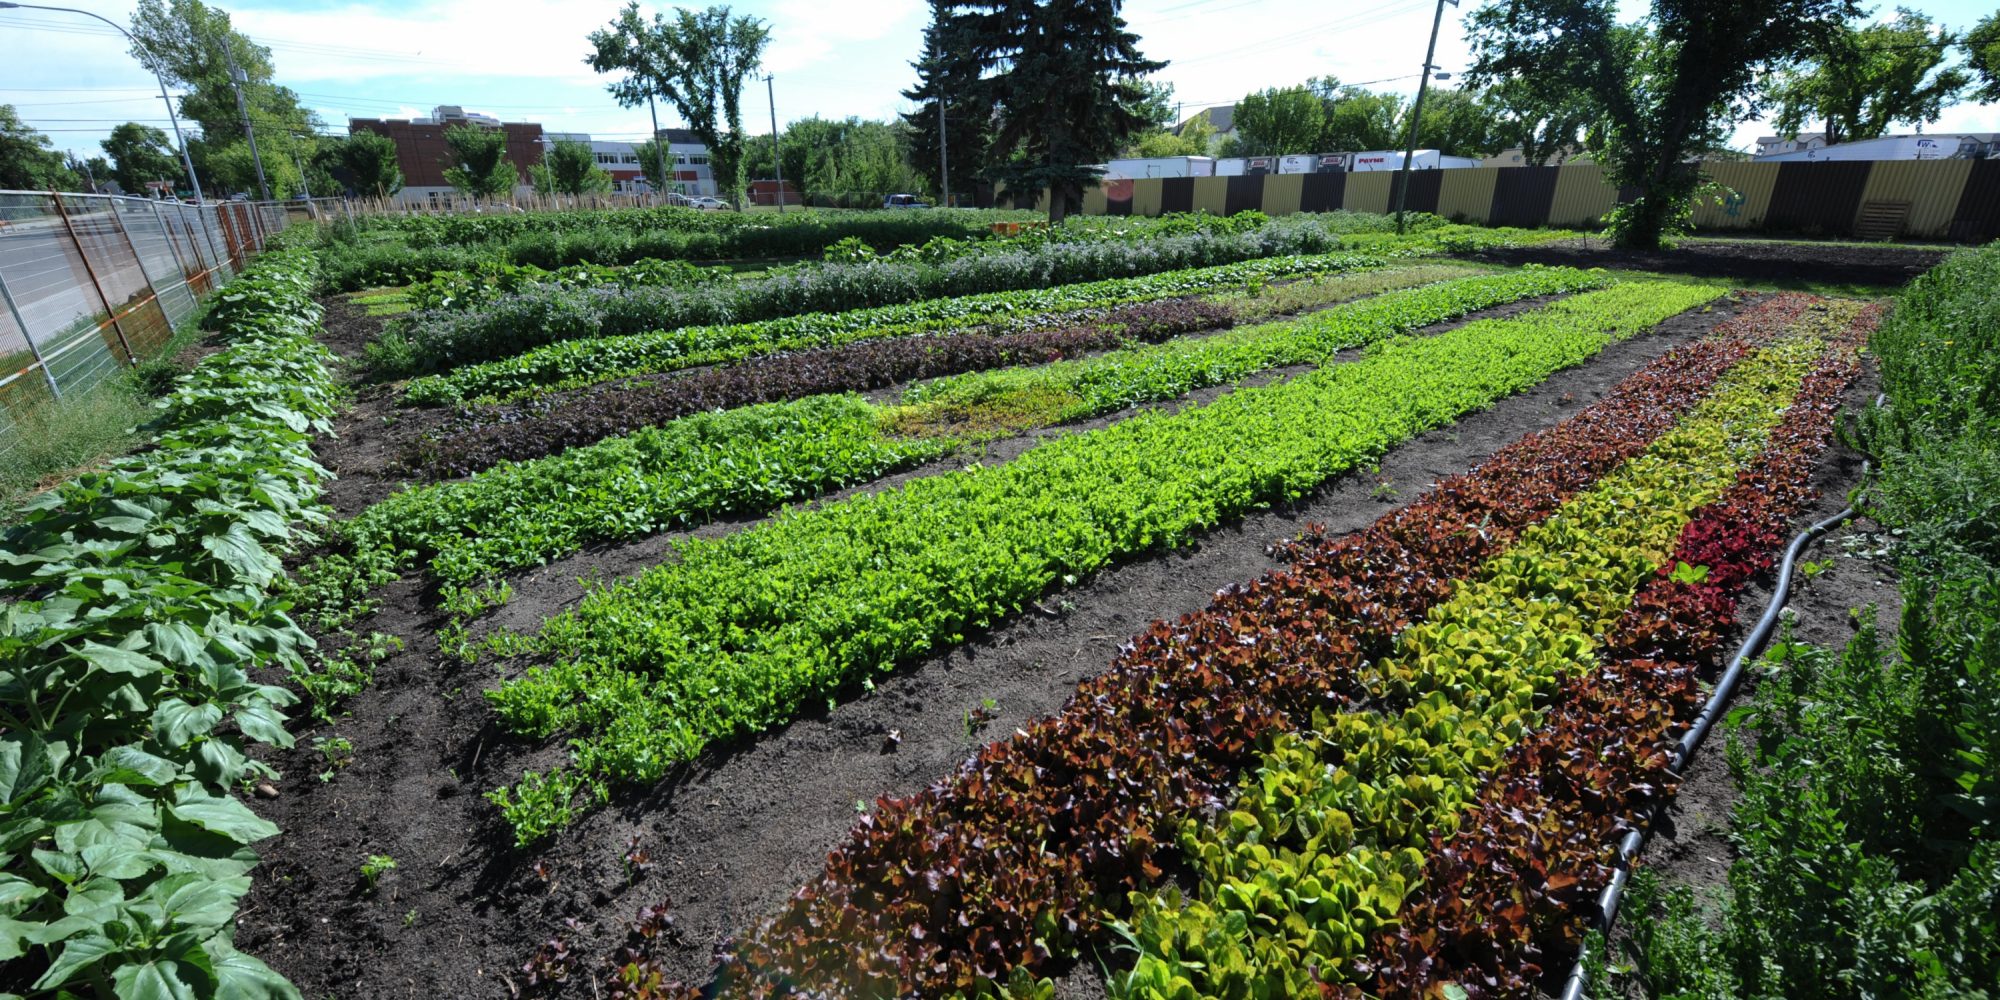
1881, 220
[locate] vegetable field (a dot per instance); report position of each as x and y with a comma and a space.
1163, 609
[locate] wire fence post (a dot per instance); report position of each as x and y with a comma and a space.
110, 312
172, 245
22, 322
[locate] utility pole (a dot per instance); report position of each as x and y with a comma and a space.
944, 165
305, 183
659, 145
1416, 115
777, 162
237, 78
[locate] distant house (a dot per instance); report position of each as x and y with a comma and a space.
1221, 118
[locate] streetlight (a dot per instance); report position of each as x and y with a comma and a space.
171, 116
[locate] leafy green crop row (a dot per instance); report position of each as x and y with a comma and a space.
1868, 832
1329, 831
141, 607
438, 340
1072, 390
740, 633
753, 459
577, 363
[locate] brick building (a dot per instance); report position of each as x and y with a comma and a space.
423, 156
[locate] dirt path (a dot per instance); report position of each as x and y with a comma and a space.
731, 835
1740, 259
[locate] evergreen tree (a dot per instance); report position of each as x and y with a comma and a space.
948, 67
1065, 86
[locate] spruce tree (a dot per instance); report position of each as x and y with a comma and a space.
1063, 78
949, 68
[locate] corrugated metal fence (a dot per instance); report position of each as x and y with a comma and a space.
1914, 199
90, 284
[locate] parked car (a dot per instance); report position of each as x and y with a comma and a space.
677, 198
708, 204
904, 201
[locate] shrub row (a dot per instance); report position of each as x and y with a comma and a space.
575, 364
555, 424
435, 340
1867, 862
398, 250
141, 607
1019, 854
739, 633
1324, 838
1511, 886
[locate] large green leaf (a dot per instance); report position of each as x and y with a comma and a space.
243, 554
113, 660
223, 815
74, 957
158, 980
176, 723
241, 977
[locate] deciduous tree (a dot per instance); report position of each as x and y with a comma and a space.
1660, 93
139, 153
569, 168
1982, 57
697, 61
364, 162
1860, 80
479, 164
1278, 121
28, 160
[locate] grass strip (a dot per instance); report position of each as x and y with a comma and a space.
739, 634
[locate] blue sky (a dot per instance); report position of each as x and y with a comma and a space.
523, 59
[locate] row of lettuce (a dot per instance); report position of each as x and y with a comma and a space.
141, 609
738, 634
1313, 748
749, 460
1868, 832
559, 309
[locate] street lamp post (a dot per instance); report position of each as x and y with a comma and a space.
150, 64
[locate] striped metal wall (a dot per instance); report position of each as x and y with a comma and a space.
1947, 199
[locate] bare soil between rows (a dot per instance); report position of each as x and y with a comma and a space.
732, 835
1780, 263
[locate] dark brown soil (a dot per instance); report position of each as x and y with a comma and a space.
1775, 262
732, 835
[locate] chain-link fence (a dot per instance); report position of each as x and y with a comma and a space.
90, 284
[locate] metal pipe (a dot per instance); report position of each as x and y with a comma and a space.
7, 297
1690, 742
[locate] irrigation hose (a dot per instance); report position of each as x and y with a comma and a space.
1684, 751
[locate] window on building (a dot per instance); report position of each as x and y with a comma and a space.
631, 157
698, 158
680, 157
607, 157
